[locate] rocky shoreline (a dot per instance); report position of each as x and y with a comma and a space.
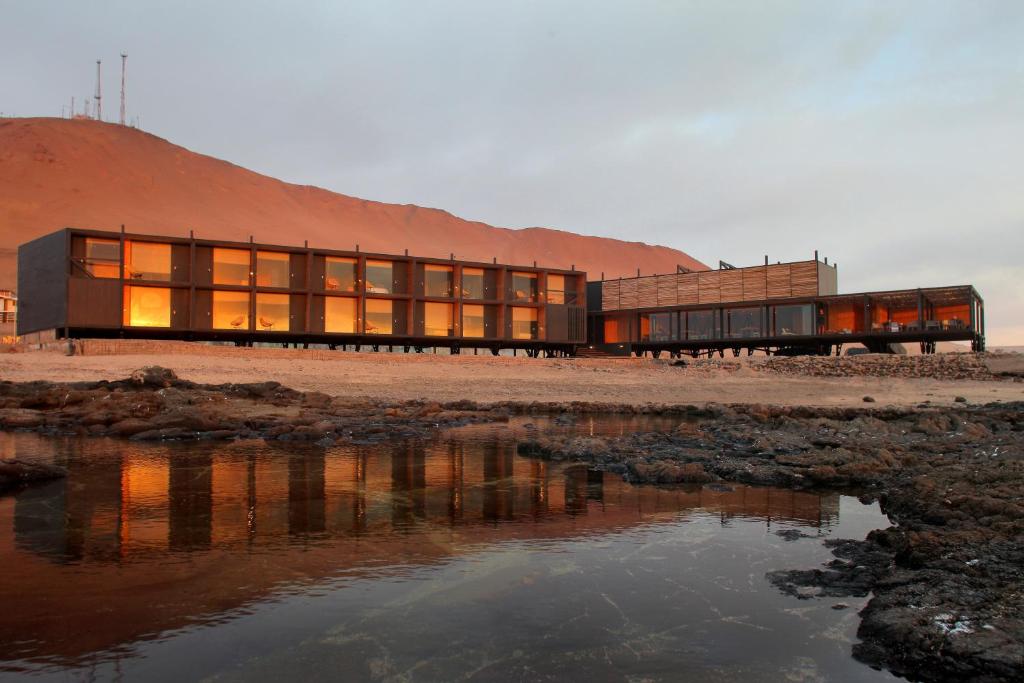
947, 580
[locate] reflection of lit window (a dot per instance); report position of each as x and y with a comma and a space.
340, 274
472, 283
556, 289
524, 286
378, 316
700, 325
271, 269
102, 257
438, 320
340, 314
147, 306
230, 267
744, 322
437, 280
147, 261
272, 312
659, 327
472, 320
524, 323
230, 310
379, 276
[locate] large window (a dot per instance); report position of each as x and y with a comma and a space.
272, 269
147, 261
272, 312
437, 280
700, 325
231, 310
340, 274
379, 276
744, 323
658, 327
794, 320
438, 320
473, 283
473, 320
556, 289
147, 306
524, 287
102, 257
231, 267
524, 323
379, 316
340, 314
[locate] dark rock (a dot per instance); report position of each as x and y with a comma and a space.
869, 399
153, 376
15, 473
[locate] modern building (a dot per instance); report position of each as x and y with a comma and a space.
778, 308
8, 314
86, 283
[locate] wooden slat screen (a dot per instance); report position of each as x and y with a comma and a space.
754, 285
628, 293
667, 289
804, 279
778, 281
610, 295
686, 289
709, 287
647, 292
731, 285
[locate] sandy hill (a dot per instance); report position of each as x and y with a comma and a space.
56, 173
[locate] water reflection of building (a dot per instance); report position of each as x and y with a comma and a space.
157, 499
144, 538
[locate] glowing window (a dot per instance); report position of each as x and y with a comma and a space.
147, 306
102, 257
230, 310
556, 289
438, 320
379, 277
231, 267
340, 314
524, 323
472, 320
340, 274
472, 283
272, 312
437, 280
524, 286
147, 261
378, 316
271, 269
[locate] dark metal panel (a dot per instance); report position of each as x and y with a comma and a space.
42, 283
94, 302
202, 318
179, 307
203, 276
181, 258
297, 313
557, 322
297, 267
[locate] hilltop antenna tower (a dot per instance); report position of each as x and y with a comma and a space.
124, 67
99, 94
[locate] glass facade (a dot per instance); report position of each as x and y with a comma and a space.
147, 306
340, 274
147, 261
556, 289
231, 310
272, 268
437, 280
379, 277
524, 322
700, 325
743, 323
473, 283
658, 327
340, 314
438, 319
102, 257
524, 287
473, 320
379, 316
231, 267
793, 320
272, 312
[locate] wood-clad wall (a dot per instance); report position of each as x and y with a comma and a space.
712, 286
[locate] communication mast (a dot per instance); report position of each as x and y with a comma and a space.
124, 66
99, 94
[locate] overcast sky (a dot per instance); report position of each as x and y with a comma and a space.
888, 135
